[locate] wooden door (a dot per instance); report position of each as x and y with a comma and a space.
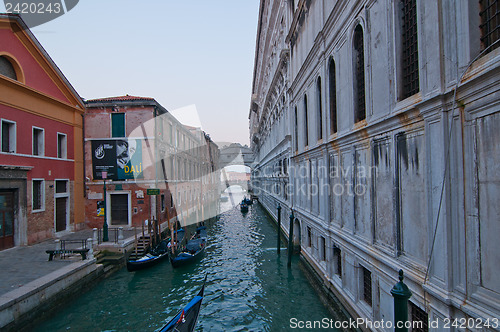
61, 213
6, 220
119, 209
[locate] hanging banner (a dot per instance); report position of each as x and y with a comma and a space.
120, 158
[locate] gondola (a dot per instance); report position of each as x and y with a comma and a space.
194, 249
156, 255
150, 259
185, 320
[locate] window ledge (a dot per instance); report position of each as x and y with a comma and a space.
484, 63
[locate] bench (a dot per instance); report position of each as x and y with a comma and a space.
82, 252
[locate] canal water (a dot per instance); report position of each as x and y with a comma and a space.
249, 287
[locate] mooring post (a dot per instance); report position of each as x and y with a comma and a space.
279, 227
105, 237
290, 240
90, 246
401, 295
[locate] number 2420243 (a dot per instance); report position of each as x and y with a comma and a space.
33, 8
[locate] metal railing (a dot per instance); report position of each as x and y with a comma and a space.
67, 245
112, 235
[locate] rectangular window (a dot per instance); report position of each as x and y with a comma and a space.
367, 285
170, 134
322, 253
489, 17
38, 195
337, 258
309, 237
38, 142
409, 48
62, 146
419, 318
61, 186
118, 125
8, 136
162, 202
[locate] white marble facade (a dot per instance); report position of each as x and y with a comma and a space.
366, 195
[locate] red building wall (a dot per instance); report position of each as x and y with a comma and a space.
39, 96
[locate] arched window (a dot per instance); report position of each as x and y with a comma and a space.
7, 69
359, 75
306, 129
320, 109
333, 96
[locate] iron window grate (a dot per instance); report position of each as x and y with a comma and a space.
488, 13
320, 109
409, 48
333, 98
306, 126
337, 253
418, 315
360, 74
367, 286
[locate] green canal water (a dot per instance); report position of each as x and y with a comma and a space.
249, 287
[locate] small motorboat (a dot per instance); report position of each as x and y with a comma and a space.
243, 208
194, 249
185, 320
150, 259
247, 201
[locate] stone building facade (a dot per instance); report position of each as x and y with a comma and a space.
151, 150
41, 156
382, 119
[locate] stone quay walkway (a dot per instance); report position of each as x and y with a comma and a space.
26, 274
21, 265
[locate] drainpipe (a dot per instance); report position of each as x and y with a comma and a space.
84, 156
290, 240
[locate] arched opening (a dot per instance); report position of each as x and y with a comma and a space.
359, 75
306, 126
332, 89
320, 109
10, 68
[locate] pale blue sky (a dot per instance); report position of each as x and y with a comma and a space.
179, 52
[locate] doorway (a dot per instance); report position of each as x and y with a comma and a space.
119, 209
61, 204
6, 219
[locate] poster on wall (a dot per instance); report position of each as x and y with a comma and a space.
121, 158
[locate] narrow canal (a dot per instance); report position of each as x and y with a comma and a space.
249, 287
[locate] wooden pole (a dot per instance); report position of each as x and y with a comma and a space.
136, 243
290, 240
279, 228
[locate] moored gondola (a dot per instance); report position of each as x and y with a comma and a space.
150, 259
194, 249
